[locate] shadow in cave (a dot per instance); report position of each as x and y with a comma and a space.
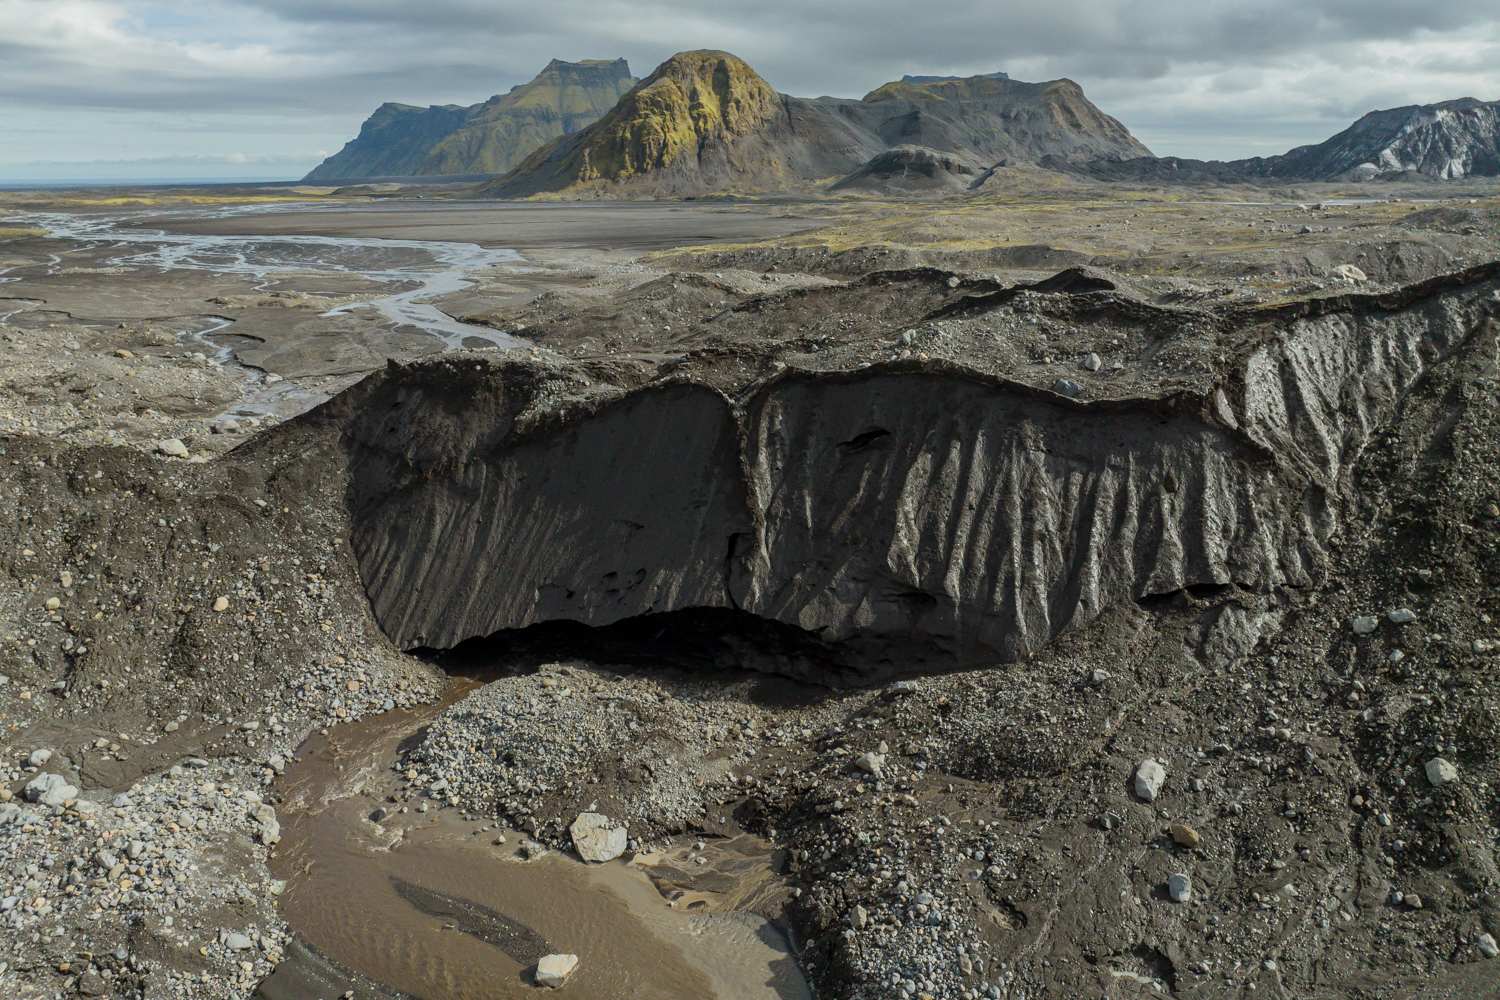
789, 666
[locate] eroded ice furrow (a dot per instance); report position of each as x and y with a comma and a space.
912, 515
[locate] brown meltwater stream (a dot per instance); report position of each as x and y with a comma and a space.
428, 904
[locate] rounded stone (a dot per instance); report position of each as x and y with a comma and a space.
1185, 835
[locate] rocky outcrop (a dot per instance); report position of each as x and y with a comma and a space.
914, 168
909, 515
490, 138
705, 121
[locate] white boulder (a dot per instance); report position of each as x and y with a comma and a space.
595, 839
553, 970
1440, 772
49, 790
1149, 777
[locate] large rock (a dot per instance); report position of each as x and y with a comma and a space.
596, 839
1444, 141
553, 971
1149, 777
1440, 772
268, 827
49, 790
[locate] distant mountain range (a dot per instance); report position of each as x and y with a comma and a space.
1443, 141
704, 121
400, 140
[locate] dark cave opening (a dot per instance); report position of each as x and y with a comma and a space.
692, 640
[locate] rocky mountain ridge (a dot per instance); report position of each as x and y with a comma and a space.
908, 78
1446, 141
400, 140
705, 121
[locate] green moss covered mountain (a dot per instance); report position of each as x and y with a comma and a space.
704, 122
400, 140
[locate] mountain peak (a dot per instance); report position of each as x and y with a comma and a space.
703, 100
487, 138
704, 121
1446, 140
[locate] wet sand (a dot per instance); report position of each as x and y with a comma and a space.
513, 225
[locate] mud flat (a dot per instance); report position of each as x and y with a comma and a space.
904, 575
526, 225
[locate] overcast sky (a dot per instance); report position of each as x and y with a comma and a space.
267, 88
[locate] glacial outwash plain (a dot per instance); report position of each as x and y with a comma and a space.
916, 547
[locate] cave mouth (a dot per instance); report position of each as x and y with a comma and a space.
723, 641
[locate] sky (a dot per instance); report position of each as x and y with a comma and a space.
220, 89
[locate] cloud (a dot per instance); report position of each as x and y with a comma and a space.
1206, 78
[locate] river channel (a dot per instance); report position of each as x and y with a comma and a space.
443, 905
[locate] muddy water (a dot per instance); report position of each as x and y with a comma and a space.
428, 903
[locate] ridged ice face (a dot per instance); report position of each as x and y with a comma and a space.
912, 513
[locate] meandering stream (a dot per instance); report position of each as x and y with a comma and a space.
436, 267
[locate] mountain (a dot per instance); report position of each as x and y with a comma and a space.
399, 140
705, 121
392, 142
999, 118
1442, 141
